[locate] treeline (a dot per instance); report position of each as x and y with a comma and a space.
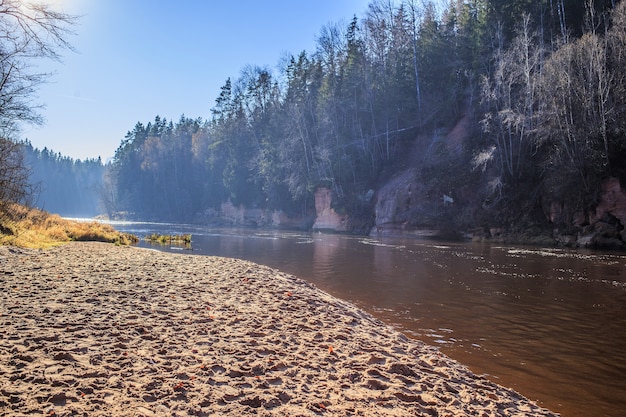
541, 82
64, 185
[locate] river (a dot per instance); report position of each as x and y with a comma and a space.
550, 323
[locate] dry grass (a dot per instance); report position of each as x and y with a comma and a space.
165, 239
31, 228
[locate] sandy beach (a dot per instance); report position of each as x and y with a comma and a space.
93, 329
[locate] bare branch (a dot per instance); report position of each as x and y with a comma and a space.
28, 31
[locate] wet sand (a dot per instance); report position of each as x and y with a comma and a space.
93, 329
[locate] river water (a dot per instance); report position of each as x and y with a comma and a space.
550, 323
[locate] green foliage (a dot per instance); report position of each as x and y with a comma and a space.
157, 172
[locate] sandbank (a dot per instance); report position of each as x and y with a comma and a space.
93, 329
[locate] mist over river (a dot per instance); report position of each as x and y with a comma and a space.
550, 323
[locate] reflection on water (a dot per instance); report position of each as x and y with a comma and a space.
549, 323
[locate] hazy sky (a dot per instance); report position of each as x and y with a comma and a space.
137, 59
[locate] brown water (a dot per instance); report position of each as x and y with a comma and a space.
549, 323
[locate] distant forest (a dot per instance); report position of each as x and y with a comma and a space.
541, 84
64, 185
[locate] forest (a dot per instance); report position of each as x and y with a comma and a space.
538, 85
63, 185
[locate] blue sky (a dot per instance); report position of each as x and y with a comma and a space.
137, 59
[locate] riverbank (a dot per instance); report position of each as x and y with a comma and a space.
31, 228
98, 329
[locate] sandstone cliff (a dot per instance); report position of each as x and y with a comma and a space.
326, 217
416, 202
437, 193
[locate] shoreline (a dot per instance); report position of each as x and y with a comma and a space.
100, 330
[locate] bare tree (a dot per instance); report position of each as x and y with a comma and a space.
14, 174
511, 99
617, 48
27, 32
578, 86
415, 14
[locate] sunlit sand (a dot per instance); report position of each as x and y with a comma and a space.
100, 330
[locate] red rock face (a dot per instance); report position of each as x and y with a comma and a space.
327, 218
612, 201
323, 198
